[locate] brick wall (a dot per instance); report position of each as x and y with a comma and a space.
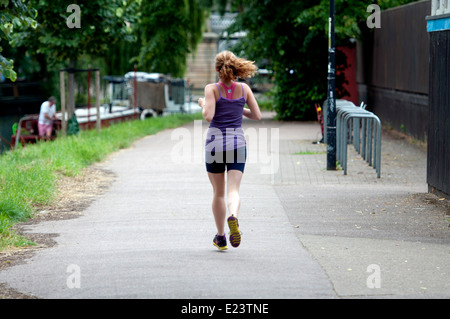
201, 69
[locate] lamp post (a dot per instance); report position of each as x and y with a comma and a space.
331, 96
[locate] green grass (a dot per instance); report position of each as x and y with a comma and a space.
309, 153
266, 105
9, 237
28, 176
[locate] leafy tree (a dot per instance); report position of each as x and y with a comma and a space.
101, 23
13, 14
157, 35
290, 37
350, 18
168, 31
275, 37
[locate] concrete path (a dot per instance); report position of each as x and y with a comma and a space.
307, 232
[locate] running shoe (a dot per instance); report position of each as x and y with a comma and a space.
235, 234
220, 242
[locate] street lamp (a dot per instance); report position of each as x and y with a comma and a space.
331, 96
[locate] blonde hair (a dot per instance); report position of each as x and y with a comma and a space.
230, 67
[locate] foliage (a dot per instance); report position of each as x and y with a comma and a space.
13, 15
102, 24
291, 39
350, 18
114, 34
274, 39
168, 30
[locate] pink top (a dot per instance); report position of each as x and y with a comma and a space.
229, 90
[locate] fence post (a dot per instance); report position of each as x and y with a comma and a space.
97, 100
63, 102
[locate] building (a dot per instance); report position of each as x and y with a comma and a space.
201, 68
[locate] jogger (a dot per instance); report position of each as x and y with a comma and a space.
225, 149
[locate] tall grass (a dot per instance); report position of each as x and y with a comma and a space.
28, 176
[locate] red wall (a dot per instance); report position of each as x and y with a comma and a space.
350, 75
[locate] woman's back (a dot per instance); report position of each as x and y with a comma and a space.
229, 108
225, 130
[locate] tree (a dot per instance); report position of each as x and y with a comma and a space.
276, 39
290, 37
13, 14
58, 37
157, 35
102, 22
351, 18
168, 31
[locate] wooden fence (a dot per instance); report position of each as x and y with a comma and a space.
393, 69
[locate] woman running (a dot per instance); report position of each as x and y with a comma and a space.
225, 149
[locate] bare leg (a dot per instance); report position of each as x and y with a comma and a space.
218, 203
234, 178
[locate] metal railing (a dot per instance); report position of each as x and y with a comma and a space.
355, 125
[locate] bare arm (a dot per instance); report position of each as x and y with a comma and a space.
208, 103
49, 117
253, 111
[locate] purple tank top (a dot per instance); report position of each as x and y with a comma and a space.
225, 130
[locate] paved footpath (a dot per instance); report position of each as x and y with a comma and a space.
307, 232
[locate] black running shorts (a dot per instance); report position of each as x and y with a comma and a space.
229, 160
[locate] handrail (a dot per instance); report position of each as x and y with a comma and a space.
377, 142
365, 130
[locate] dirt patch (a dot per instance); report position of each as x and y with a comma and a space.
75, 194
9, 293
396, 135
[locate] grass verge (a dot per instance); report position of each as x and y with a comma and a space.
28, 176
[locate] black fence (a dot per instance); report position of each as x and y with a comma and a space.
438, 165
